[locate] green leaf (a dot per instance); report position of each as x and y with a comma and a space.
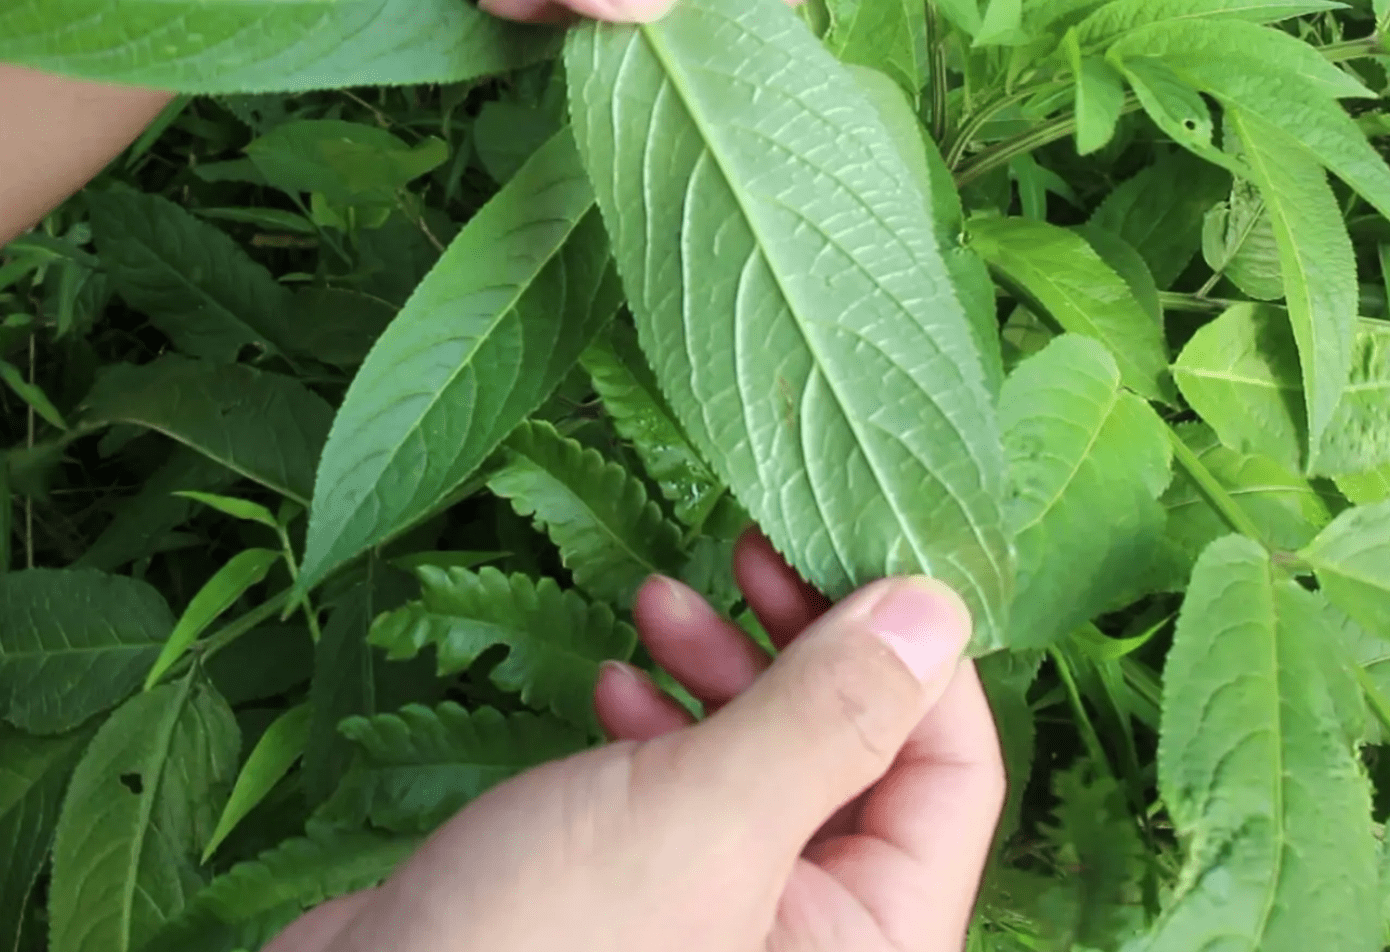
1352, 559
556, 638
236, 508
193, 282
141, 522
74, 644
814, 349
1100, 96
34, 772
1366, 488
141, 802
1357, 439
265, 662
639, 412
218, 594
887, 35
344, 684
1088, 461
1257, 768
1238, 242
1240, 372
1267, 74
1001, 24
230, 46
1065, 276
1175, 107
480, 344
31, 394
505, 135
273, 218
1286, 507
264, 426
610, 535
347, 162
1160, 210
1125, 261
1006, 677
1118, 17
421, 766
277, 750
248, 906
338, 326
963, 14
1317, 261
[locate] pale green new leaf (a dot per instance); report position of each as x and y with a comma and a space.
1069, 280
1240, 373
1100, 96
194, 282
1238, 242
277, 750
610, 535
1159, 211
421, 766
1001, 24
1316, 259
791, 297
1120, 16
1175, 107
1352, 559
346, 162
556, 638
236, 508
480, 344
1366, 488
1257, 769
248, 906
34, 773
887, 35
219, 593
264, 426
141, 802
31, 394
639, 412
73, 644
1088, 461
233, 46
1357, 439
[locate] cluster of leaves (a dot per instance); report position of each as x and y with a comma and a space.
344, 419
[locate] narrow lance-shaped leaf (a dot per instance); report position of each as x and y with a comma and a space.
31, 394
480, 344
610, 535
73, 644
274, 754
420, 766
1352, 559
1316, 259
265, 426
1257, 768
556, 638
1121, 16
1070, 281
1100, 96
1088, 461
34, 772
886, 35
231, 46
789, 292
141, 802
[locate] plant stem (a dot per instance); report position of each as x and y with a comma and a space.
1005, 152
1194, 303
1083, 720
984, 114
310, 616
1354, 49
1212, 490
936, 53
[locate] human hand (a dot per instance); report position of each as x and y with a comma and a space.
567, 11
830, 801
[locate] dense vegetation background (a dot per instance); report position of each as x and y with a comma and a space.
1156, 327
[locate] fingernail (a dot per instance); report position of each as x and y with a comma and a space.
683, 603
923, 621
620, 670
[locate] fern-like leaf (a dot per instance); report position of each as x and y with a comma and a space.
249, 905
419, 766
610, 535
557, 639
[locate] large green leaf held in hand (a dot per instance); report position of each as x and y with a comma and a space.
1257, 768
480, 344
1069, 280
1088, 461
1352, 559
231, 46
73, 644
142, 801
791, 297
556, 638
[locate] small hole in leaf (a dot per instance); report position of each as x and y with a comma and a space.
132, 782
1190, 125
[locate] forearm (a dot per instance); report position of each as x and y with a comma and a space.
55, 134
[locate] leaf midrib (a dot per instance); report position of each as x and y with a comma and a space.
1116, 393
678, 82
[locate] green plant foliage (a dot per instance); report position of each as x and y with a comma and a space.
553, 664
73, 644
141, 802
349, 407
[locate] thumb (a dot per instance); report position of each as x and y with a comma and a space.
828, 718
